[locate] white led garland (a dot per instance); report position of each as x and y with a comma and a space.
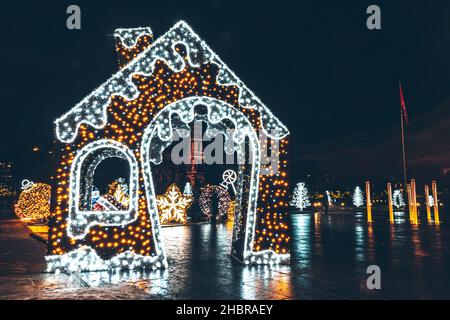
80, 221
92, 110
130, 36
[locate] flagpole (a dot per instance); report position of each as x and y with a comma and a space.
405, 180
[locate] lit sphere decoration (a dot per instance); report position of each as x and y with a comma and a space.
224, 202
34, 201
430, 200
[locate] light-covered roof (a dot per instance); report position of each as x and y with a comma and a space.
92, 110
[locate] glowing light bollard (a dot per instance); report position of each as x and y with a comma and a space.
436, 203
415, 215
368, 202
391, 207
408, 193
427, 203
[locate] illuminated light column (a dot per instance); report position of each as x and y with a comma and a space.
414, 201
427, 202
436, 203
408, 192
391, 208
368, 202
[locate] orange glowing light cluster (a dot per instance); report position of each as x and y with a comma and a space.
34, 202
272, 226
6, 191
173, 205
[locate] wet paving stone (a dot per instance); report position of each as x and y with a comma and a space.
330, 255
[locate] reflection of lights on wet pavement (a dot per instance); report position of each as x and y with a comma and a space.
399, 217
301, 248
330, 255
360, 251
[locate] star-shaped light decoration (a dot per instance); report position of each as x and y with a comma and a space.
173, 205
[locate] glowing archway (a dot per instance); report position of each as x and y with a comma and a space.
83, 167
162, 129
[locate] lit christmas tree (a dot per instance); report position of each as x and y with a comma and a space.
358, 199
300, 197
430, 200
398, 199
187, 189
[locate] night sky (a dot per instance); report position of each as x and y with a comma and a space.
333, 82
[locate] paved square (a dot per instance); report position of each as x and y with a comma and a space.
330, 255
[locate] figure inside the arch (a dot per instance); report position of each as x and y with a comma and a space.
165, 88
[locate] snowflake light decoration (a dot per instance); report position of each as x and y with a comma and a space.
173, 205
300, 198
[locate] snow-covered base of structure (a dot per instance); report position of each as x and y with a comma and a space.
86, 259
266, 257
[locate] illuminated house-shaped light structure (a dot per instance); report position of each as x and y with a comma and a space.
160, 87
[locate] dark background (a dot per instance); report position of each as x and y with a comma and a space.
333, 82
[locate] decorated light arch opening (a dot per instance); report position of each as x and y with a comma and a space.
159, 89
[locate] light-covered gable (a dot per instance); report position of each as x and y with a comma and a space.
92, 110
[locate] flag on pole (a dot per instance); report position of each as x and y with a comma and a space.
402, 104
